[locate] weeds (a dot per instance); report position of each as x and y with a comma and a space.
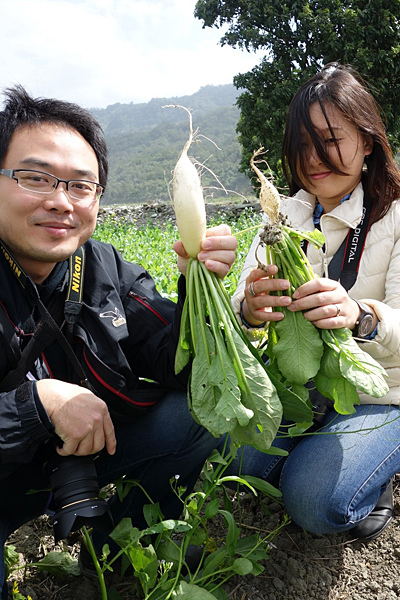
152, 561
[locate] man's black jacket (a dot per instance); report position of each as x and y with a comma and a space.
126, 334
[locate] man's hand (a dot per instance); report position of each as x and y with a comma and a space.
217, 251
80, 418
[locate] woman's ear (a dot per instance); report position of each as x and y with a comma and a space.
368, 145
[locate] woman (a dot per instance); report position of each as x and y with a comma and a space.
340, 168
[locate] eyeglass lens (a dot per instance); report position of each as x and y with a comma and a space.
43, 183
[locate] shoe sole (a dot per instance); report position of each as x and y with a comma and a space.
372, 537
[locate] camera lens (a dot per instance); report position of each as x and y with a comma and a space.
75, 488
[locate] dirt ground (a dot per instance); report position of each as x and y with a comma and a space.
301, 566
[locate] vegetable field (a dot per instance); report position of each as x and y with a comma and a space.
151, 246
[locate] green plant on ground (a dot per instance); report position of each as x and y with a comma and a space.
16, 594
157, 553
152, 561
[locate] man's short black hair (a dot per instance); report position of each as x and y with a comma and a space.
21, 109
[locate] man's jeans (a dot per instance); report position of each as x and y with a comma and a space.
162, 444
332, 479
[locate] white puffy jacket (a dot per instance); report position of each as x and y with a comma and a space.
378, 281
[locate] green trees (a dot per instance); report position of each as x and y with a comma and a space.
144, 142
298, 38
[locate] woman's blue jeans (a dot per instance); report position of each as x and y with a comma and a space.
156, 447
333, 478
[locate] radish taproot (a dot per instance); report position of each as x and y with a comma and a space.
188, 200
269, 196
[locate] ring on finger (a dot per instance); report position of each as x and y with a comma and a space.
337, 310
250, 289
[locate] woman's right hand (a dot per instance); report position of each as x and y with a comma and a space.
258, 301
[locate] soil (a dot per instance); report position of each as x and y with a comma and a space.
301, 566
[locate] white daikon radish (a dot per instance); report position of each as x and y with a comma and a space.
269, 195
188, 200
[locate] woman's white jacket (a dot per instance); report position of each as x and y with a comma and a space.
378, 281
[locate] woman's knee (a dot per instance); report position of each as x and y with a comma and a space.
314, 500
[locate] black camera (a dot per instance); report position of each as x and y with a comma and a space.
73, 481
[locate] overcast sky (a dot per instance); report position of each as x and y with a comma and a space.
99, 52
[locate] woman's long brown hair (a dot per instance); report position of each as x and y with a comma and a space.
341, 87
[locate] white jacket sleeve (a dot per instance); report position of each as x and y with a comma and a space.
249, 264
384, 276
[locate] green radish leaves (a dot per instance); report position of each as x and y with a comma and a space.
300, 352
355, 365
229, 389
301, 365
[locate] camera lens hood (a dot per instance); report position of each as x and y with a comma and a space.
75, 488
70, 518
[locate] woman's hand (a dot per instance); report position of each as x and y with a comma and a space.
258, 302
326, 304
217, 251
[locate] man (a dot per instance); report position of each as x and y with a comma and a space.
85, 392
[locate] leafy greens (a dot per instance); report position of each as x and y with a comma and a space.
331, 358
230, 390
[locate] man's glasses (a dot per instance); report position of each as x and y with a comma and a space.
43, 183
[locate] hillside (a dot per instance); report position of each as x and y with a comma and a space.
145, 139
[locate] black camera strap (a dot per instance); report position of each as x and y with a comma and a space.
355, 242
48, 328
345, 262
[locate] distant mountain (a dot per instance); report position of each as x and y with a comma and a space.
145, 140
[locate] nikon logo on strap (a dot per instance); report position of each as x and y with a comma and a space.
11, 262
76, 275
75, 288
73, 303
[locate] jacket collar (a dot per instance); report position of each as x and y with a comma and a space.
348, 213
